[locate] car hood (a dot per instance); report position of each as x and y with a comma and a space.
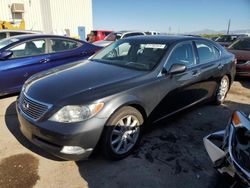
102, 43
87, 79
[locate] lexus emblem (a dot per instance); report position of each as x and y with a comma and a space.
25, 105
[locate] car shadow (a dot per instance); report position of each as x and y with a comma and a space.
244, 81
171, 154
12, 124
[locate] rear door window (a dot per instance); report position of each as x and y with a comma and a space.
207, 52
60, 45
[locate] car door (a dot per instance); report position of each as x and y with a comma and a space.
180, 90
64, 51
28, 58
209, 65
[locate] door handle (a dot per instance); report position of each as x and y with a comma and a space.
196, 73
220, 66
44, 61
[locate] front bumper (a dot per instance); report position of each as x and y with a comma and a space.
52, 136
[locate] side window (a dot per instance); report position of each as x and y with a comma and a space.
30, 48
206, 52
182, 54
132, 34
2, 36
59, 45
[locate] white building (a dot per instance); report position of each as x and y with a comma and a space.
72, 17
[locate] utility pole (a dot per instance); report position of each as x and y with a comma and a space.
228, 27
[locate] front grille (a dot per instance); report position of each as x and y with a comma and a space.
32, 108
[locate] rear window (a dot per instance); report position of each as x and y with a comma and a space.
241, 44
206, 52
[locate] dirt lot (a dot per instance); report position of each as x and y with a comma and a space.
171, 153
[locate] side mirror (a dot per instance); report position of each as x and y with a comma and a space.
176, 69
5, 55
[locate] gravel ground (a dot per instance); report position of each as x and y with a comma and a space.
171, 153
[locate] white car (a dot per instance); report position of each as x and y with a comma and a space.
116, 36
6, 33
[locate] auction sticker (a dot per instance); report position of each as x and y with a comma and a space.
158, 46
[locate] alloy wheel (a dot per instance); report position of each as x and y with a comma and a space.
223, 89
125, 134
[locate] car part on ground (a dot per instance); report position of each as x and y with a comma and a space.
241, 49
229, 150
107, 98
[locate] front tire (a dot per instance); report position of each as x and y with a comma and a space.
222, 91
122, 133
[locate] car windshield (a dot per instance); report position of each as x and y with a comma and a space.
241, 44
6, 42
132, 54
113, 37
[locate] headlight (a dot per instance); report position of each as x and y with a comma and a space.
72, 113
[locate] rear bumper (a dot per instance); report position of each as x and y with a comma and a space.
53, 136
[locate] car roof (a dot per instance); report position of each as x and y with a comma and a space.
34, 36
19, 31
163, 38
123, 32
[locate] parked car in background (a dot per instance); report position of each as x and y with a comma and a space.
241, 49
152, 33
25, 55
226, 40
10, 33
114, 36
107, 98
97, 35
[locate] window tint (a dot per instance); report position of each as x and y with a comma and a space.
30, 48
132, 34
207, 52
59, 45
182, 54
2, 36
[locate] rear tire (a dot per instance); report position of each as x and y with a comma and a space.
122, 133
222, 90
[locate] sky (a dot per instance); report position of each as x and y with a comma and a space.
175, 16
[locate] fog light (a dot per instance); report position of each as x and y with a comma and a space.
72, 150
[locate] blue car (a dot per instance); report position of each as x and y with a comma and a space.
25, 55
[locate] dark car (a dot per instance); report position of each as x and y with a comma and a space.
241, 49
226, 40
109, 97
25, 55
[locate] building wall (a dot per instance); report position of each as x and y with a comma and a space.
52, 16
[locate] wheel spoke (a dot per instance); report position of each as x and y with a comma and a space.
128, 120
119, 146
117, 132
116, 140
125, 144
130, 139
121, 122
134, 123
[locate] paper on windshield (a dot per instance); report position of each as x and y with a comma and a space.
158, 46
